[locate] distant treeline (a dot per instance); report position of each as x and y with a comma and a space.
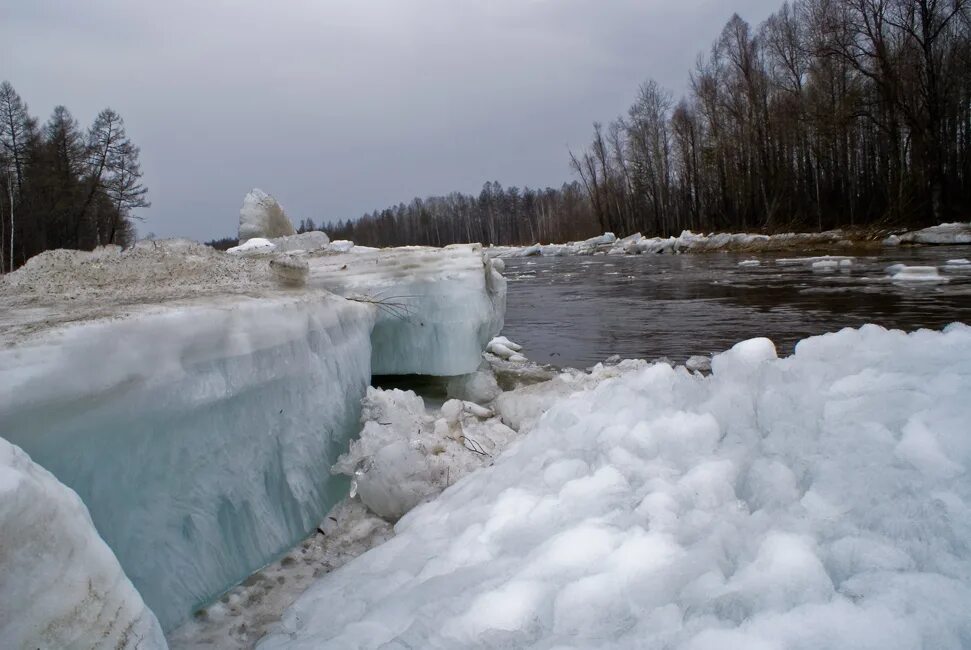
831, 113
495, 216
61, 187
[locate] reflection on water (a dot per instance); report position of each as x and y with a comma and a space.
576, 311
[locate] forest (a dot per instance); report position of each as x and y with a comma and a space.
830, 114
61, 186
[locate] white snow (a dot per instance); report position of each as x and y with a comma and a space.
818, 501
61, 585
945, 233
255, 245
750, 263
959, 262
698, 363
405, 455
262, 216
341, 246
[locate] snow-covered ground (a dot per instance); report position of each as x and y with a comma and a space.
196, 400
816, 501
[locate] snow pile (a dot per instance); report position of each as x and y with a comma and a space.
254, 246
62, 586
404, 455
750, 263
77, 285
946, 233
262, 216
819, 501
307, 242
919, 274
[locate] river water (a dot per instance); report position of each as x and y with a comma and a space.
577, 311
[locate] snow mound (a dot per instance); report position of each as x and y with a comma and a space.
818, 501
946, 233
405, 455
254, 246
62, 586
151, 271
262, 216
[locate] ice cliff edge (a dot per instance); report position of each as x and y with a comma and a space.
196, 406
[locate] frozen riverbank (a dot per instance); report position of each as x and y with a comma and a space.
819, 500
689, 242
196, 402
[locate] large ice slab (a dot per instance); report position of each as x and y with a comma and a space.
436, 308
817, 501
198, 435
62, 587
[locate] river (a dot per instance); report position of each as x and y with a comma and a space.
577, 311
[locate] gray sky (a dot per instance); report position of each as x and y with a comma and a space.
338, 108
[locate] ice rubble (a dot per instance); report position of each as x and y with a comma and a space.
817, 501
62, 586
262, 216
215, 402
686, 242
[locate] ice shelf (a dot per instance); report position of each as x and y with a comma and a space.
197, 406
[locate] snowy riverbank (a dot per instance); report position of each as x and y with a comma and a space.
689, 242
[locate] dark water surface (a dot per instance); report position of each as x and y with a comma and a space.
576, 311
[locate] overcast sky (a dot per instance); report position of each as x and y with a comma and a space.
339, 108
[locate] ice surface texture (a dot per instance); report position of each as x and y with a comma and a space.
200, 436
818, 501
61, 586
437, 308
